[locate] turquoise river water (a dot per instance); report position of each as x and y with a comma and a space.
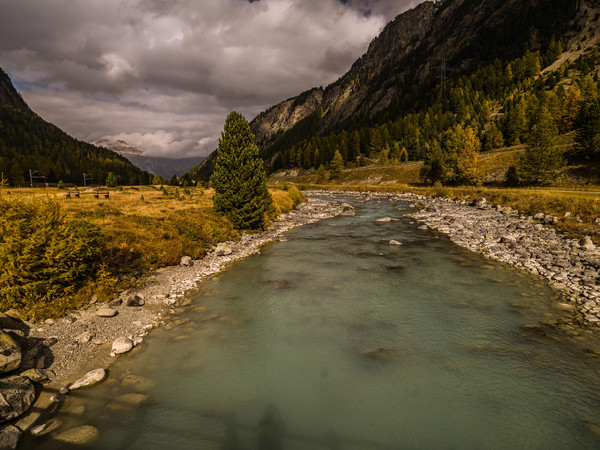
337, 340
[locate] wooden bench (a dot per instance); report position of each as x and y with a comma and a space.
97, 194
72, 193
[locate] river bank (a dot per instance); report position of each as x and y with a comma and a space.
58, 352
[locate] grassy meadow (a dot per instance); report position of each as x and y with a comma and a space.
135, 229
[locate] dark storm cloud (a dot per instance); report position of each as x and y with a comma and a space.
163, 74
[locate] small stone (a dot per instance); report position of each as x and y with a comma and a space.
394, 242
186, 261
106, 312
115, 303
78, 436
223, 250
84, 337
94, 299
63, 391
121, 345
49, 342
384, 220
49, 321
135, 300
45, 428
90, 378
347, 210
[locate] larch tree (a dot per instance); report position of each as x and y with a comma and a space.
239, 178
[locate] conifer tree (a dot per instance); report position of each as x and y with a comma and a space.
239, 178
111, 180
337, 164
541, 158
587, 139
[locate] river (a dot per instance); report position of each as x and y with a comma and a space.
336, 339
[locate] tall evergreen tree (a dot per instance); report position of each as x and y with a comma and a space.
587, 139
239, 178
541, 158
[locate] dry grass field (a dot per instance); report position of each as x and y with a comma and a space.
142, 228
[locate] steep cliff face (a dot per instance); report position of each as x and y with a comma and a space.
8, 94
456, 34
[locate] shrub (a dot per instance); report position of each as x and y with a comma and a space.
44, 258
60, 185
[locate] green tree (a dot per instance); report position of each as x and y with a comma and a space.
174, 181
111, 180
239, 178
337, 165
587, 140
541, 158
322, 175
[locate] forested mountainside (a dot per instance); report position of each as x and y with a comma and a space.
438, 66
27, 142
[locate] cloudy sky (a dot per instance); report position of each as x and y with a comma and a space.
163, 74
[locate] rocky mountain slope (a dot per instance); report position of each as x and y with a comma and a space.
456, 34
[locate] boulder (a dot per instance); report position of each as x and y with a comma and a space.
128, 402
186, 261
16, 397
223, 250
78, 436
10, 323
90, 378
135, 300
9, 437
587, 244
347, 210
384, 220
539, 216
122, 345
36, 375
479, 202
106, 312
10, 353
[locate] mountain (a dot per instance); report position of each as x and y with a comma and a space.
401, 71
9, 95
165, 167
30, 145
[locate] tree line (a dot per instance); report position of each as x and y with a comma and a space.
27, 142
497, 105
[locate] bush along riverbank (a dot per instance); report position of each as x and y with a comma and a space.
75, 351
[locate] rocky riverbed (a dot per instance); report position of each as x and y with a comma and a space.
73, 352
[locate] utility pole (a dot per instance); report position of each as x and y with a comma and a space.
33, 175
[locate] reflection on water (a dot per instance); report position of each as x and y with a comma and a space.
337, 340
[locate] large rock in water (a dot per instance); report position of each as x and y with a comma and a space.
10, 353
9, 437
79, 435
16, 397
92, 377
